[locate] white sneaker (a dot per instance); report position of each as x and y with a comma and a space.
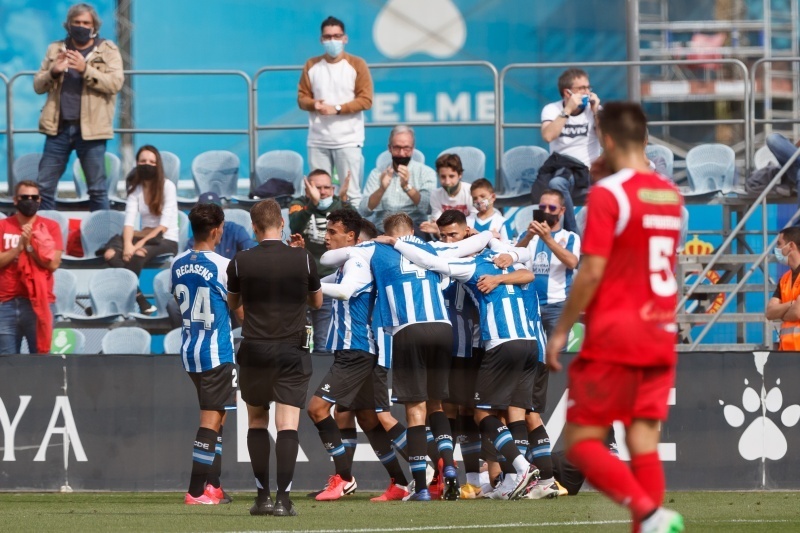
543, 488
429, 473
663, 521
410, 487
524, 481
504, 489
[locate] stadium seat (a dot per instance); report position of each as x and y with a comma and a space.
184, 227
286, 165
472, 159
241, 217
711, 169
385, 159
81, 201
26, 167
764, 157
520, 167
286, 231
172, 166
112, 293
161, 288
523, 218
216, 171
67, 341
126, 341
172, 341
657, 150
59, 218
65, 288
96, 230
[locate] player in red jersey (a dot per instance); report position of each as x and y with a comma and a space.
626, 284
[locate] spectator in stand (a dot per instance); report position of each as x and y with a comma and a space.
783, 149
31, 251
569, 126
336, 88
81, 75
234, 238
487, 217
785, 302
308, 216
453, 193
155, 199
405, 185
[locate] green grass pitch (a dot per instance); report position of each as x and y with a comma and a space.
87, 512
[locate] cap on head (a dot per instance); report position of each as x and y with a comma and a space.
209, 198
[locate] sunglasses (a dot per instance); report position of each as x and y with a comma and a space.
34, 197
549, 207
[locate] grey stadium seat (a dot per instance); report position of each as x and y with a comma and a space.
126, 341
216, 171
520, 167
112, 293
711, 169
172, 341
65, 287
472, 159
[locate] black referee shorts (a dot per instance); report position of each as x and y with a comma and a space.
506, 376
216, 388
274, 372
350, 371
421, 358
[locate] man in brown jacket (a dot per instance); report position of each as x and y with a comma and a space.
81, 75
336, 88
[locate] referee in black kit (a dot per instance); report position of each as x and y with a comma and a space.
276, 284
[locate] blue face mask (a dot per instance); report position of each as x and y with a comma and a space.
782, 259
333, 48
325, 203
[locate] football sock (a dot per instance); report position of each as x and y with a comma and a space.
488, 451
470, 443
443, 437
416, 455
216, 468
350, 441
379, 440
611, 476
433, 453
202, 459
519, 430
258, 444
286, 446
332, 441
538, 451
648, 471
397, 434
503, 441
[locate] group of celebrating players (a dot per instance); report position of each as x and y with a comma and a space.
457, 321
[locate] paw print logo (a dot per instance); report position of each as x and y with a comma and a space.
763, 437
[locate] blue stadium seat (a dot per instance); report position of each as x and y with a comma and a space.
172, 341
472, 159
241, 217
112, 293
711, 169
385, 159
520, 167
657, 150
67, 341
65, 288
126, 341
59, 218
113, 172
96, 230
172, 166
216, 171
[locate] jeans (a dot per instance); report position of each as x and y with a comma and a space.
344, 160
564, 185
783, 149
321, 319
550, 315
92, 155
17, 320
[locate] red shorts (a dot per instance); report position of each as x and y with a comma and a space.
600, 393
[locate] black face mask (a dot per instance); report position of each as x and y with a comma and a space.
28, 207
146, 172
551, 219
81, 34
400, 160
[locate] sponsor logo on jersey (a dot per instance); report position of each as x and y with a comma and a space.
658, 196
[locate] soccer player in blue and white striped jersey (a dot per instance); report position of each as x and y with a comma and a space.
199, 284
505, 378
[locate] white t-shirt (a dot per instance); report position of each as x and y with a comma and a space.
496, 222
578, 138
135, 205
462, 201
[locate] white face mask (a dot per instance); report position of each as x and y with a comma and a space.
333, 48
782, 259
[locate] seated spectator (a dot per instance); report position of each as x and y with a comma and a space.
405, 185
31, 251
569, 126
155, 199
453, 194
783, 149
486, 217
235, 238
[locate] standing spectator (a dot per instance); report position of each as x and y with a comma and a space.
336, 88
81, 75
405, 185
276, 284
235, 238
308, 216
155, 200
31, 251
785, 302
569, 126
454, 193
